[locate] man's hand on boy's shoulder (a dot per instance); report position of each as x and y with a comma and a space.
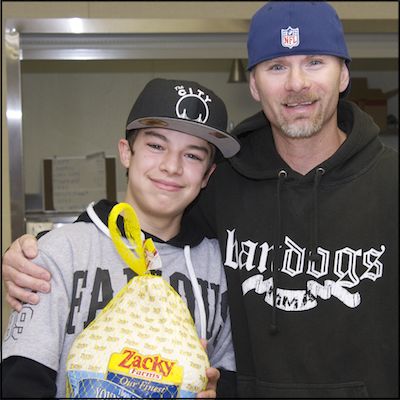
19, 272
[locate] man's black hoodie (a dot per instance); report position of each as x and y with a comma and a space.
311, 262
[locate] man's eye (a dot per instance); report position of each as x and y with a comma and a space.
315, 62
276, 67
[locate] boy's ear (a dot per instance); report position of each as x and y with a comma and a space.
124, 152
207, 175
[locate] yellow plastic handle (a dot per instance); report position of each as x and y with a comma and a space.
133, 234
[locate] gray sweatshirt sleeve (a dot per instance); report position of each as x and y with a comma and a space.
37, 332
222, 354
220, 349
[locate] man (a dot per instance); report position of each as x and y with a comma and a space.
173, 132
306, 217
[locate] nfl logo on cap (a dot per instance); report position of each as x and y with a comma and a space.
290, 37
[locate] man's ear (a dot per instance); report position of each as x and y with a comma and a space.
344, 78
253, 86
125, 152
207, 175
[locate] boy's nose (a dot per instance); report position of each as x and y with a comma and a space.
172, 164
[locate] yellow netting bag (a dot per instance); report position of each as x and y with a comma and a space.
144, 343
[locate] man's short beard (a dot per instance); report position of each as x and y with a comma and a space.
302, 130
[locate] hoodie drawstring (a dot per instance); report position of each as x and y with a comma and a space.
196, 287
277, 250
103, 227
197, 292
96, 219
314, 256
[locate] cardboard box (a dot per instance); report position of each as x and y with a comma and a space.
372, 101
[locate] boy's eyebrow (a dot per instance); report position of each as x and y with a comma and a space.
204, 149
149, 132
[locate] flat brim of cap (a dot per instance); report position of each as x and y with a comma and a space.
225, 143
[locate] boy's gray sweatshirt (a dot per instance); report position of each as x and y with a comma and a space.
87, 273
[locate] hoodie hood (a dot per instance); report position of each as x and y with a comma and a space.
258, 158
186, 236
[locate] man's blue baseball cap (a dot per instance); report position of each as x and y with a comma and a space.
284, 28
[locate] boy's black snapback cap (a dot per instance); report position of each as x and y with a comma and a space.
184, 106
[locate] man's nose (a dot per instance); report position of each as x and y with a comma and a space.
297, 80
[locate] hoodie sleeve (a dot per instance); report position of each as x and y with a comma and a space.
22, 377
226, 386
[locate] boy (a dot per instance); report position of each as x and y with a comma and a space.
169, 154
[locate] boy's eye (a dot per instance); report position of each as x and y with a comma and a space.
194, 157
155, 146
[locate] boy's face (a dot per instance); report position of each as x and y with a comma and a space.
167, 170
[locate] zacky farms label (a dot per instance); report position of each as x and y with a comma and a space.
145, 374
154, 367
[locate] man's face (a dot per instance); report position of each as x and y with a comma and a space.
167, 170
299, 93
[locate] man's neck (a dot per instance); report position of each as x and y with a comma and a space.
302, 155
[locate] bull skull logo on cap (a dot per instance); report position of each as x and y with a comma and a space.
189, 99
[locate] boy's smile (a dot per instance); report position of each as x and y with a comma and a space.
169, 186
